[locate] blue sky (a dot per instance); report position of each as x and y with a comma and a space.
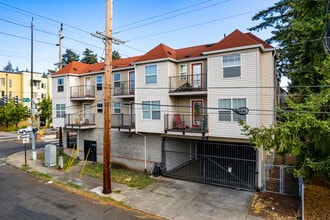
141, 24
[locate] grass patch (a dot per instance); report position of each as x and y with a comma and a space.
75, 186
128, 177
66, 160
25, 168
42, 176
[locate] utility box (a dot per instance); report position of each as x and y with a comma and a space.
50, 155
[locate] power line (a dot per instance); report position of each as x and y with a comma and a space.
190, 26
166, 18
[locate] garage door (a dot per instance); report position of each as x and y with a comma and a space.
225, 164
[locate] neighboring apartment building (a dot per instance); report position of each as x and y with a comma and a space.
19, 84
174, 109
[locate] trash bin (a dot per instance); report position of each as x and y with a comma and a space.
156, 170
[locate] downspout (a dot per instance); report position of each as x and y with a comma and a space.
145, 150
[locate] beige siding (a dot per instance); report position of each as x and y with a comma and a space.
245, 86
152, 92
267, 93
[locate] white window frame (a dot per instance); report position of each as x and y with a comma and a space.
99, 82
183, 71
10, 84
99, 107
225, 111
117, 108
60, 84
148, 73
116, 82
60, 111
151, 110
231, 62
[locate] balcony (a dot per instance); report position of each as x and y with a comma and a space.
188, 85
124, 122
80, 121
124, 89
186, 124
82, 93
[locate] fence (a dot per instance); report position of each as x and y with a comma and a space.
279, 179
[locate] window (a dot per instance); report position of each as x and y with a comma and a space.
116, 80
10, 83
183, 72
151, 110
2, 82
60, 110
36, 83
43, 85
225, 106
60, 85
232, 65
10, 94
99, 82
117, 107
99, 107
150, 73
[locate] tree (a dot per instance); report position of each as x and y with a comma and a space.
69, 56
115, 55
9, 67
11, 114
45, 109
16, 70
298, 28
303, 131
89, 57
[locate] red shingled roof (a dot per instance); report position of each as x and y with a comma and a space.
233, 40
238, 39
159, 52
76, 67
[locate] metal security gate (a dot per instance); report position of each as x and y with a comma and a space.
231, 165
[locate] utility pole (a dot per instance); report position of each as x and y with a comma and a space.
107, 100
60, 47
34, 153
32, 26
108, 40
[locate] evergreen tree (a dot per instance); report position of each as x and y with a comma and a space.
69, 56
89, 57
298, 29
9, 67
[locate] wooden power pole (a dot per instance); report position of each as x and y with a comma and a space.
107, 100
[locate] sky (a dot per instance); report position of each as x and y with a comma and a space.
141, 24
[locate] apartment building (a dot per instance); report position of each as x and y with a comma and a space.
19, 84
176, 109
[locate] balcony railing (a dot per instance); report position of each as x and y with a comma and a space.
186, 124
124, 88
80, 121
123, 121
188, 83
83, 92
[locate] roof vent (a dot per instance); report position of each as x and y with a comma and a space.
209, 45
75, 69
188, 55
169, 52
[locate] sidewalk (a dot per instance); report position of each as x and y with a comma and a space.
168, 198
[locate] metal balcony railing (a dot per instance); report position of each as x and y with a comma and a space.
79, 120
124, 88
123, 121
186, 123
188, 83
82, 92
